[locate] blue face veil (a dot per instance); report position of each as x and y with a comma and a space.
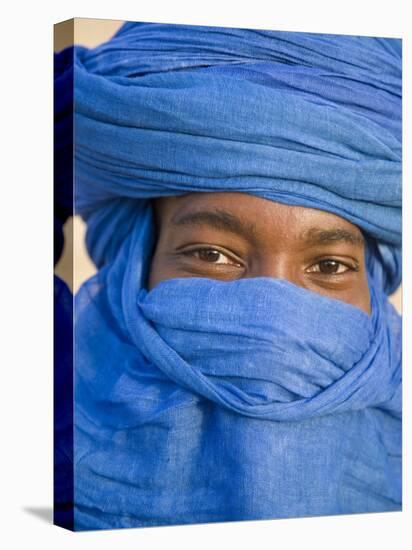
202, 400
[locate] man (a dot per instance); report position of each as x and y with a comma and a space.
236, 355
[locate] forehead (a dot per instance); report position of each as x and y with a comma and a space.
264, 218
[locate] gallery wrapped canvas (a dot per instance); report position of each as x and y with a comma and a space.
227, 242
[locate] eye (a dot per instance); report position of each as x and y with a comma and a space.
212, 256
330, 267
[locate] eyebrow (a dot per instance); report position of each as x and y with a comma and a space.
225, 221
319, 236
218, 219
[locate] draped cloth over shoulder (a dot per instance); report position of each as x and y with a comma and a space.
210, 401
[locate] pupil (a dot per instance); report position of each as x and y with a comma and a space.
328, 266
209, 255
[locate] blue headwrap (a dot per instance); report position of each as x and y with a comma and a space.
204, 400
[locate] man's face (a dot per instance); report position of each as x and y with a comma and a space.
228, 236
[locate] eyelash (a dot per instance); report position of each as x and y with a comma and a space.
232, 261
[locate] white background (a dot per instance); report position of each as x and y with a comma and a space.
26, 274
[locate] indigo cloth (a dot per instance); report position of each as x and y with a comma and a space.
306, 119
202, 400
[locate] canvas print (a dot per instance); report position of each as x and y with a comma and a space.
227, 247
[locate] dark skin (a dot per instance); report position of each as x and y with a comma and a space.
229, 236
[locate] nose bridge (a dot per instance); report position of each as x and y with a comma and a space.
280, 265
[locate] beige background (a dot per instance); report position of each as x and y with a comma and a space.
75, 265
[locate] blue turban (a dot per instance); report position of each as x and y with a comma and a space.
193, 401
